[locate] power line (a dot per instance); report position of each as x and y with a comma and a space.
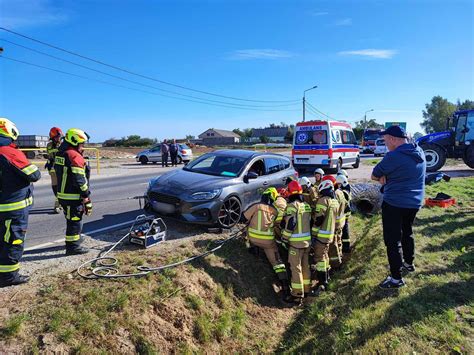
136, 82
310, 110
141, 75
135, 89
322, 113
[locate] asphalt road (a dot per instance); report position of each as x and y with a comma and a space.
111, 207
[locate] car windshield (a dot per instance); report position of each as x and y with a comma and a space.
217, 165
371, 136
380, 142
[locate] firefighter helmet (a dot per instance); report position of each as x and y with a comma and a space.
343, 172
326, 184
342, 180
272, 192
330, 178
294, 188
304, 181
55, 132
319, 171
8, 129
75, 136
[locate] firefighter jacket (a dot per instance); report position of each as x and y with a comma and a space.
280, 204
297, 229
72, 173
51, 149
326, 212
341, 211
16, 176
310, 196
348, 197
261, 219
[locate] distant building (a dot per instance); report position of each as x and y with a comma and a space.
274, 134
219, 137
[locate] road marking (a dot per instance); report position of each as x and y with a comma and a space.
39, 246
110, 227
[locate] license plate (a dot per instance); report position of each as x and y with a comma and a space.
164, 207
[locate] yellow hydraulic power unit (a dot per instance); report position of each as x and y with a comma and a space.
147, 231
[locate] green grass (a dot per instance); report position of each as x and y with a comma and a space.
433, 314
13, 325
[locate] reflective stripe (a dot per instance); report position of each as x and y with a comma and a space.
6, 238
30, 169
9, 268
346, 240
286, 233
6, 207
84, 187
279, 268
296, 286
63, 183
64, 196
263, 237
300, 237
17, 241
259, 220
321, 266
306, 282
77, 170
73, 238
325, 234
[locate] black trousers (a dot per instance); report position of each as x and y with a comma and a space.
164, 159
174, 158
73, 211
398, 236
13, 227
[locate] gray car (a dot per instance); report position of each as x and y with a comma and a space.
217, 187
153, 155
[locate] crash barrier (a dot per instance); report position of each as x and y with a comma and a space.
97, 155
104, 266
366, 198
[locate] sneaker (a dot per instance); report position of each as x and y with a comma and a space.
390, 283
407, 268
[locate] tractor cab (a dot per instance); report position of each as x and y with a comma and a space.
456, 142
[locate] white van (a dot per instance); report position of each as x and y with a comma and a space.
324, 144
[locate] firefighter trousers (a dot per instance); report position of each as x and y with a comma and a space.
346, 237
13, 227
73, 211
300, 273
271, 251
321, 257
335, 249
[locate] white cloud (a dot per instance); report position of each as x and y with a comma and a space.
372, 53
29, 13
248, 54
319, 13
343, 22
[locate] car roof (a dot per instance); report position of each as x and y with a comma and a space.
242, 153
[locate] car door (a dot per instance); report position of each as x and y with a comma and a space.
274, 167
155, 154
253, 188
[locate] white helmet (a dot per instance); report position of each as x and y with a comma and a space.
343, 172
319, 171
326, 184
342, 180
304, 181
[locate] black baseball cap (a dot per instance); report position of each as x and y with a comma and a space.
395, 131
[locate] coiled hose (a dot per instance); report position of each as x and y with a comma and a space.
104, 266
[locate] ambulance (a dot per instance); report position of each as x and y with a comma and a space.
324, 144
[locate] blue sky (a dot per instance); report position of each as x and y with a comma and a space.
392, 56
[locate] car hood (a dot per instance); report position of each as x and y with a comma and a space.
178, 181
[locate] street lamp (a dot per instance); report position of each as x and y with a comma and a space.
365, 117
304, 101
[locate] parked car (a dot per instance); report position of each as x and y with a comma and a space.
153, 155
217, 187
380, 147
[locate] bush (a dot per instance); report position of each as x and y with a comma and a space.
130, 141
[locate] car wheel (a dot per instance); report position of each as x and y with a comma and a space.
357, 163
144, 160
229, 213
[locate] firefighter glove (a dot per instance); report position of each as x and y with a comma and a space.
87, 206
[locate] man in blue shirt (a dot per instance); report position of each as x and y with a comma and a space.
402, 174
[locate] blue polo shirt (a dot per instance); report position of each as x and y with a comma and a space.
405, 169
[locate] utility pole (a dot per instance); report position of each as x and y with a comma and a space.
365, 118
304, 101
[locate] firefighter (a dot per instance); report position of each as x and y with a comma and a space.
280, 205
73, 182
16, 198
310, 192
262, 218
318, 176
55, 138
335, 249
345, 187
297, 233
342, 172
324, 225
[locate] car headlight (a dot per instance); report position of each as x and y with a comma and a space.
206, 195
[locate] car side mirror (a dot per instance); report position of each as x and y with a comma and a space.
251, 175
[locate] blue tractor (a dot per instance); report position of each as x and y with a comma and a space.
456, 142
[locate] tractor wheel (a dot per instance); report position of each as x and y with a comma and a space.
435, 157
469, 156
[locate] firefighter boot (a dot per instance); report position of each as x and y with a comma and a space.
12, 279
323, 280
285, 289
76, 250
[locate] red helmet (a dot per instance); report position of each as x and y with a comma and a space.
330, 178
55, 132
294, 188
